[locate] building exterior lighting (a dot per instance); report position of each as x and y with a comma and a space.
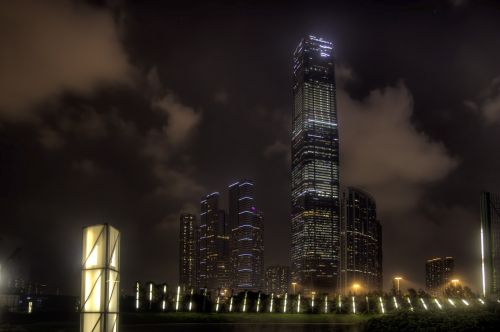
312, 300
465, 302
326, 304
284, 302
315, 176
271, 304
258, 303
340, 301
438, 304
298, 304
481, 301
231, 304
30, 307
353, 305
100, 279
217, 304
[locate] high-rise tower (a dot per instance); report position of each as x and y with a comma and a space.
490, 243
315, 168
187, 250
361, 242
213, 245
247, 237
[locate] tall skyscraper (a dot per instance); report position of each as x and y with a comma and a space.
247, 237
490, 243
315, 168
277, 279
438, 273
213, 245
361, 242
187, 250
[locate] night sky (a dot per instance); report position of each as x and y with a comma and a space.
128, 112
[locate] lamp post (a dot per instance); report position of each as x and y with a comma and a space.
397, 281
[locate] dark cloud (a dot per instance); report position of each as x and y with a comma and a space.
55, 46
488, 103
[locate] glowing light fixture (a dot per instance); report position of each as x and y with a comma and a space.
30, 307
382, 309
191, 300
284, 302
423, 303
100, 279
137, 295
326, 304
298, 304
231, 304
312, 300
340, 302
217, 304
481, 301
164, 300
353, 305
395, 303
465, 302
409, 302
452, 302
258, 303
177, 298
245, 302
271, 304
438, 304
483, 274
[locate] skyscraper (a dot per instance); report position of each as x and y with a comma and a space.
277, 279
490, 243
187, 250
438, 273
315, 168
247, 237
361, 242
213, 245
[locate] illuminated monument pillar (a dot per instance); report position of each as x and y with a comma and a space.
100, 279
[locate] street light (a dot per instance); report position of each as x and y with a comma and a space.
355, 287
293, 285
398, 280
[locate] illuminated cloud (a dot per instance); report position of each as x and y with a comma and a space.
52, 47
383, 152
488, 104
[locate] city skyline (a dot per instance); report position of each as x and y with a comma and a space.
130, 123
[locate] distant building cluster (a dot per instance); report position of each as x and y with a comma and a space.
335, 241
222, 250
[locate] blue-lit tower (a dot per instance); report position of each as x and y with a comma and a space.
247, 237
315, 168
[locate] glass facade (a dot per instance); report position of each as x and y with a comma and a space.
247, 237
438, 274
315, 168
187, 250
490, 243
361, 242
277, 279
213, 245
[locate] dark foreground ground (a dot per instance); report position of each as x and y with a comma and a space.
187, 322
